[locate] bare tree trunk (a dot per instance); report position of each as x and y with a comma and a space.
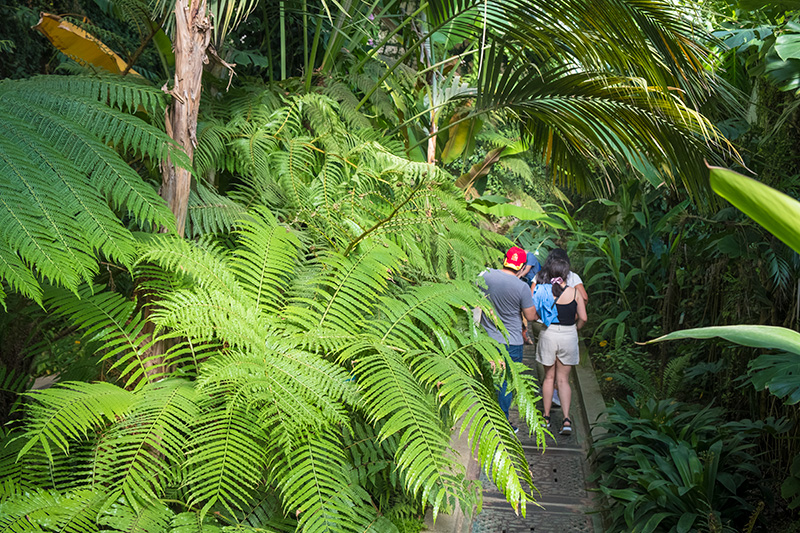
192, 36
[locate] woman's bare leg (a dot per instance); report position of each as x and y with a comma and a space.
564, 392
547, 388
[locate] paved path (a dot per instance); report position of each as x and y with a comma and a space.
559, 473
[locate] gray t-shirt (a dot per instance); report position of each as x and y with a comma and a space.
510, 295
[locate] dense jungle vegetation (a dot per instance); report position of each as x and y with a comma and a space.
241, 241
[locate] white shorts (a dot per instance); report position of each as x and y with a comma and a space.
558, 341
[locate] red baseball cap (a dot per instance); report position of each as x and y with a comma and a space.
515, 258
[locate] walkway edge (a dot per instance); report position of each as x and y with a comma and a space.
589, 389
594, 409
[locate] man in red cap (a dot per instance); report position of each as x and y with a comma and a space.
510, 296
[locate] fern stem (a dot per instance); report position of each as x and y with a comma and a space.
380, 223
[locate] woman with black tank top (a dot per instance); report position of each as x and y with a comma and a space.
557, 349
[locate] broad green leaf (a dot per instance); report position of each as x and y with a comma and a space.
767, 337
459, 136
654, 521
780, 373
685, 522
788, 46
775, 211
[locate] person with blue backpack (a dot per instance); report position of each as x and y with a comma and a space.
562, 310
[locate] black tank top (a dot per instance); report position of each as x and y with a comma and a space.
567, 312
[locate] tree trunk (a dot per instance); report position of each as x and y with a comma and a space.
192, 36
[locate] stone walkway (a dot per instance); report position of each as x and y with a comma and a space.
559, 472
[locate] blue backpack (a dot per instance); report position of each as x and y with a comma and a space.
544, 303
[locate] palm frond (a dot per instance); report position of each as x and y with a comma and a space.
572, 117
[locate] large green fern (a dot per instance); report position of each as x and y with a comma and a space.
64, 186
341, 303
268, 409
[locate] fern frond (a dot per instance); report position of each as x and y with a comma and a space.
75, 512
193, 523
673, 375
141, 449
346, 287
36, 228
391, 393
265, 259
60, 176
71, 411
112, 319
64, 126
143, 519
210, 212
315, 486
348, 104
289, 388
410, 316
226, 460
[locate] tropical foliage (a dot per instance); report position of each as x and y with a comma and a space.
300, 362
284, 346
65, 186
669, 466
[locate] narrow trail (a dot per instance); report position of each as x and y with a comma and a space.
559, 473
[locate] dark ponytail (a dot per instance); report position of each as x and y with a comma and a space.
556, 268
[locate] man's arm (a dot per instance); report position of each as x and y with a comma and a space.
523, 271
530, 314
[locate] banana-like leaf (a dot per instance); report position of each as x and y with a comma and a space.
522, 213
80, 45
767, 337
474, 181
775, 211
780, 373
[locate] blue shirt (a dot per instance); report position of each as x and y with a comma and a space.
534, 264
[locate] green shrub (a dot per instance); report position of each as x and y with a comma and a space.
670, 466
